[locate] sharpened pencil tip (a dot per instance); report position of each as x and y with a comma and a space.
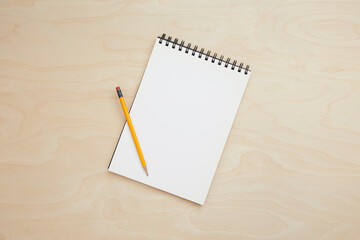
146, 171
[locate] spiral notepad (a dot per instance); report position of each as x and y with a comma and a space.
183, 113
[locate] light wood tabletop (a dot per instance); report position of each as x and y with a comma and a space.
291, 165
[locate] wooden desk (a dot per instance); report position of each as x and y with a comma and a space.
291, 166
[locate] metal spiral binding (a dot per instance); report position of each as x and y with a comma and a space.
213, 57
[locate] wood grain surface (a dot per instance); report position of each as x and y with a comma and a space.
291, 166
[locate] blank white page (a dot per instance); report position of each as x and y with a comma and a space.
182, 114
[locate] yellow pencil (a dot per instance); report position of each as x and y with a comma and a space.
132, 130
